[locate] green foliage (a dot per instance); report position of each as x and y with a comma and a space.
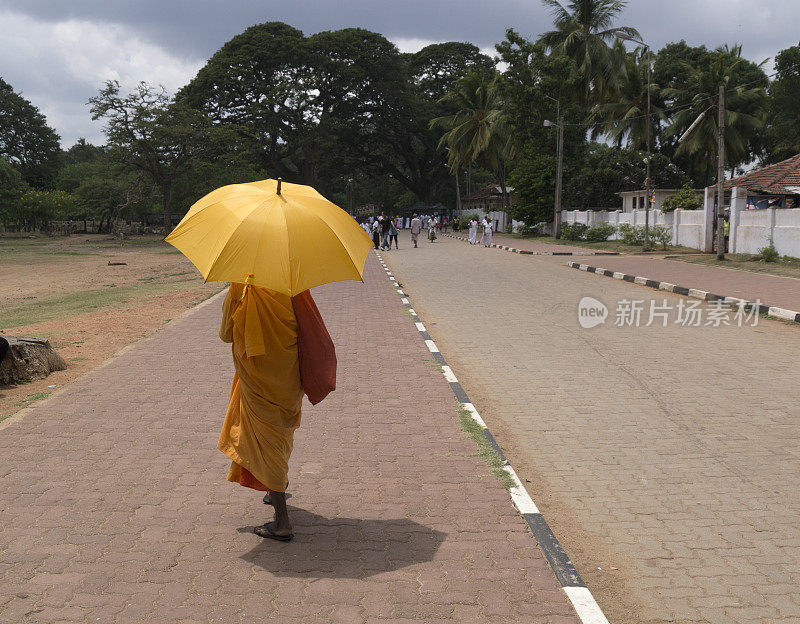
150, 133
631, 235
38, 208
660, 234
584, 29
784, 106
605, 171
599, 233
26, 140
573, 231
769, 253
685, 199
12, 186
745, 110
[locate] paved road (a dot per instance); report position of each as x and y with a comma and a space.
665, 458
114, 506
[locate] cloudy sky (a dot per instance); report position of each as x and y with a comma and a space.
58, 53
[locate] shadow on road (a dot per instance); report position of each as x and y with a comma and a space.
345, 547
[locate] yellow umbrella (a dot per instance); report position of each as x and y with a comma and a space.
288, 237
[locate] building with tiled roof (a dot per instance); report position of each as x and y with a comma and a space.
776, 186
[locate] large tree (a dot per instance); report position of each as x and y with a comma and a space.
606, 170
148, 132
531, 79
624, 120
26, 140
745, 111
583, 31
784, 107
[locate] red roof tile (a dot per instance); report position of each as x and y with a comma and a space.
772, 179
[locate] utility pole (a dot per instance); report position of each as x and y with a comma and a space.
721, 175
557, 210
647, 183
559, 163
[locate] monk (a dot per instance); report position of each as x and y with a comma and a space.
264, 406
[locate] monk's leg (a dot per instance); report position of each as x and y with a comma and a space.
282, 524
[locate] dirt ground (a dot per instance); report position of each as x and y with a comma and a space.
65, 290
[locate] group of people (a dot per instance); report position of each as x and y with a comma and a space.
486, 238
383, 230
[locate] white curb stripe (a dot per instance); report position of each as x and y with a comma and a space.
420, 327
782, 313
585, 605
519, 495
405, 300
432, 346
697, 294
617, 275
474, 413
666, 286
448, 374
640, 280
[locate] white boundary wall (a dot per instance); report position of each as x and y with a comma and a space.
750, 230
690, 223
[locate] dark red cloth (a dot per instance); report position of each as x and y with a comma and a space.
315, 348
247, 479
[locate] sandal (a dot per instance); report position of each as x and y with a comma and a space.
266, 531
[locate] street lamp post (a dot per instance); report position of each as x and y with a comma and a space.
647, 184
559, 162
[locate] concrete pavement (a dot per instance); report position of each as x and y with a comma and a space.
114, 506
665, 458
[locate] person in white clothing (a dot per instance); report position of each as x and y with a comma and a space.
486, 239
473, 231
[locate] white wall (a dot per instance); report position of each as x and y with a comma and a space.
757, 227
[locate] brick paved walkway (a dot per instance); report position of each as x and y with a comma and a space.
664, 458
114, 504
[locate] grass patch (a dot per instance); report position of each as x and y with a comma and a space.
78, 359
31, 398
82, 302
612, 245
485, 449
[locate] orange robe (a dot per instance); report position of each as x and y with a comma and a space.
264, 406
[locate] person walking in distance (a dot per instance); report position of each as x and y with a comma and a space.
376, 233
386, 227
486, 239
393, 234
416, 228
473, 231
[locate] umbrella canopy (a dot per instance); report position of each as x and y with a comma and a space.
288, 237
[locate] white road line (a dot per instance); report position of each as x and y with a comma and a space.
474, 413
432, 346
585, 605
519, 495
782, 313
448, 374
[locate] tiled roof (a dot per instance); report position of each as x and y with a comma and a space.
772, 179
487, 192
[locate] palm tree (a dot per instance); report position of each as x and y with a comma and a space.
583, 31
624, 120
745, 112
477, 131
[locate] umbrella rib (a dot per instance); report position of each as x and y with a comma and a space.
336, 236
